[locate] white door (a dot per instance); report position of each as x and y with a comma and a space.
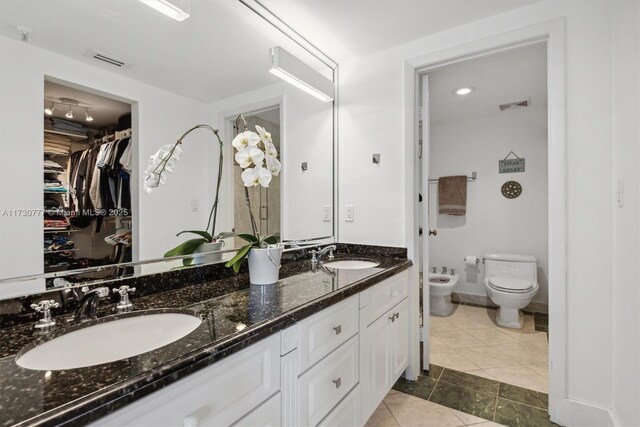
424, 215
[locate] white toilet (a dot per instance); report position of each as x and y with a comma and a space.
440, 289
511, 282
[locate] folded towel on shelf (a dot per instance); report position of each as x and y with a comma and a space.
53, 166
452, 195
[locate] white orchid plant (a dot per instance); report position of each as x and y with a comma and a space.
164, 162
258, 157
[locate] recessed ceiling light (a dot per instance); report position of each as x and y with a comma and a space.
179, 11
464, 91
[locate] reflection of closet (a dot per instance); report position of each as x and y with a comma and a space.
87, 169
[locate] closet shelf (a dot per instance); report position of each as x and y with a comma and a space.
69, 134
56, 192
59, 230
59, 251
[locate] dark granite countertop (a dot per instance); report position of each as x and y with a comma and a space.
235, 315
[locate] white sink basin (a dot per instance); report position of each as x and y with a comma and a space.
350, 264
109, 341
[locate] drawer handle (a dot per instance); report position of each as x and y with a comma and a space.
396, 315
338, 329
338, 382
392, 318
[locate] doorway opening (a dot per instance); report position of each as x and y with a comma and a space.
265, 201
483, 215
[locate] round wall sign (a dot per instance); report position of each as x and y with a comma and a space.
511, 189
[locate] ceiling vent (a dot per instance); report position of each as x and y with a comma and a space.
107, 59
513, 105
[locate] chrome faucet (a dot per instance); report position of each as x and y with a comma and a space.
45, 307
316, 256
444, 270
88, 306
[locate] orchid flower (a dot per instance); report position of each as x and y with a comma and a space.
256, 176
273, 165
164, 160
249, 156
265, 136
245, 139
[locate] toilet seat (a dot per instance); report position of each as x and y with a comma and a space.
510, 284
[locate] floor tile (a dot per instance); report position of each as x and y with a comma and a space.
457, 339
382, 418
464, 399
411, 411
452, 359
468, 419
540, 368
515, 414
435, 371
520, 376
472, 382
436, 344
523, 395
480, 373
489, 357
487, 424
423, 387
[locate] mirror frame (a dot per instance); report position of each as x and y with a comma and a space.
267, 15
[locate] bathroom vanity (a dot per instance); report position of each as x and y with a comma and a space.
318, 348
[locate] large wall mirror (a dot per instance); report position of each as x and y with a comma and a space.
84, 111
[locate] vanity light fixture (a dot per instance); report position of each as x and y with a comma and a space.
87, 115
294, 71
49, 110
174, 9
464, 90
69, 114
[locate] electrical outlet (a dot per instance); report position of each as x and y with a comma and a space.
326, 213
348, 209
195, 205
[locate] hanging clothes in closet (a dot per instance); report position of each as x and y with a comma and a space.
100, 182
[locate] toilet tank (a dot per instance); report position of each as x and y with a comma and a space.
511, 265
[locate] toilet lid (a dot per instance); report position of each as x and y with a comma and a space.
512, 284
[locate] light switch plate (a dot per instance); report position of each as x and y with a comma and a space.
195, 205
326, 213
348, 209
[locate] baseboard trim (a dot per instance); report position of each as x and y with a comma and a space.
580, 414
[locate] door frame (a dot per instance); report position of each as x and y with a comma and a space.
554, 34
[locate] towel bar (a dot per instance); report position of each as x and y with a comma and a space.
472, 178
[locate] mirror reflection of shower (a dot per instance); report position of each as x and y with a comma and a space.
265, 202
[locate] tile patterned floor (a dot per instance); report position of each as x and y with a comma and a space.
451, 398
471, 342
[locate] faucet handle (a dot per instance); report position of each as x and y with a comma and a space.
45, 307
331, 256
434, 269
452, 271
124, 291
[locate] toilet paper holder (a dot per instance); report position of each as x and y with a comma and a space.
477, 260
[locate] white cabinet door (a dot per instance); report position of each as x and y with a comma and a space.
376, 364
399, 339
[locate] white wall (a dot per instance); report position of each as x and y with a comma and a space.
306, 132
163, 117
371, 121
493, 223
626, 230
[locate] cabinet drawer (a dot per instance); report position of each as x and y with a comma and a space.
324, 385
215, 396
380, 298
347, 413
268, 414
323, 332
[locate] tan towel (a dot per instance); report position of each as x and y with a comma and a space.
452, 195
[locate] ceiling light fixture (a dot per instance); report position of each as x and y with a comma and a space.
294, 71
464, 91
87, 115
69, 114
49, 110
179, 11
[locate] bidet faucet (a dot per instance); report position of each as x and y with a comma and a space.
316, 256
444, 270
88, 306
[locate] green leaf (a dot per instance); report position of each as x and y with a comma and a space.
185, 248
204, 234
272, 240
236, 261
244, 236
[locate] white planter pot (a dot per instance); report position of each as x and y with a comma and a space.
264, 265
207, 253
